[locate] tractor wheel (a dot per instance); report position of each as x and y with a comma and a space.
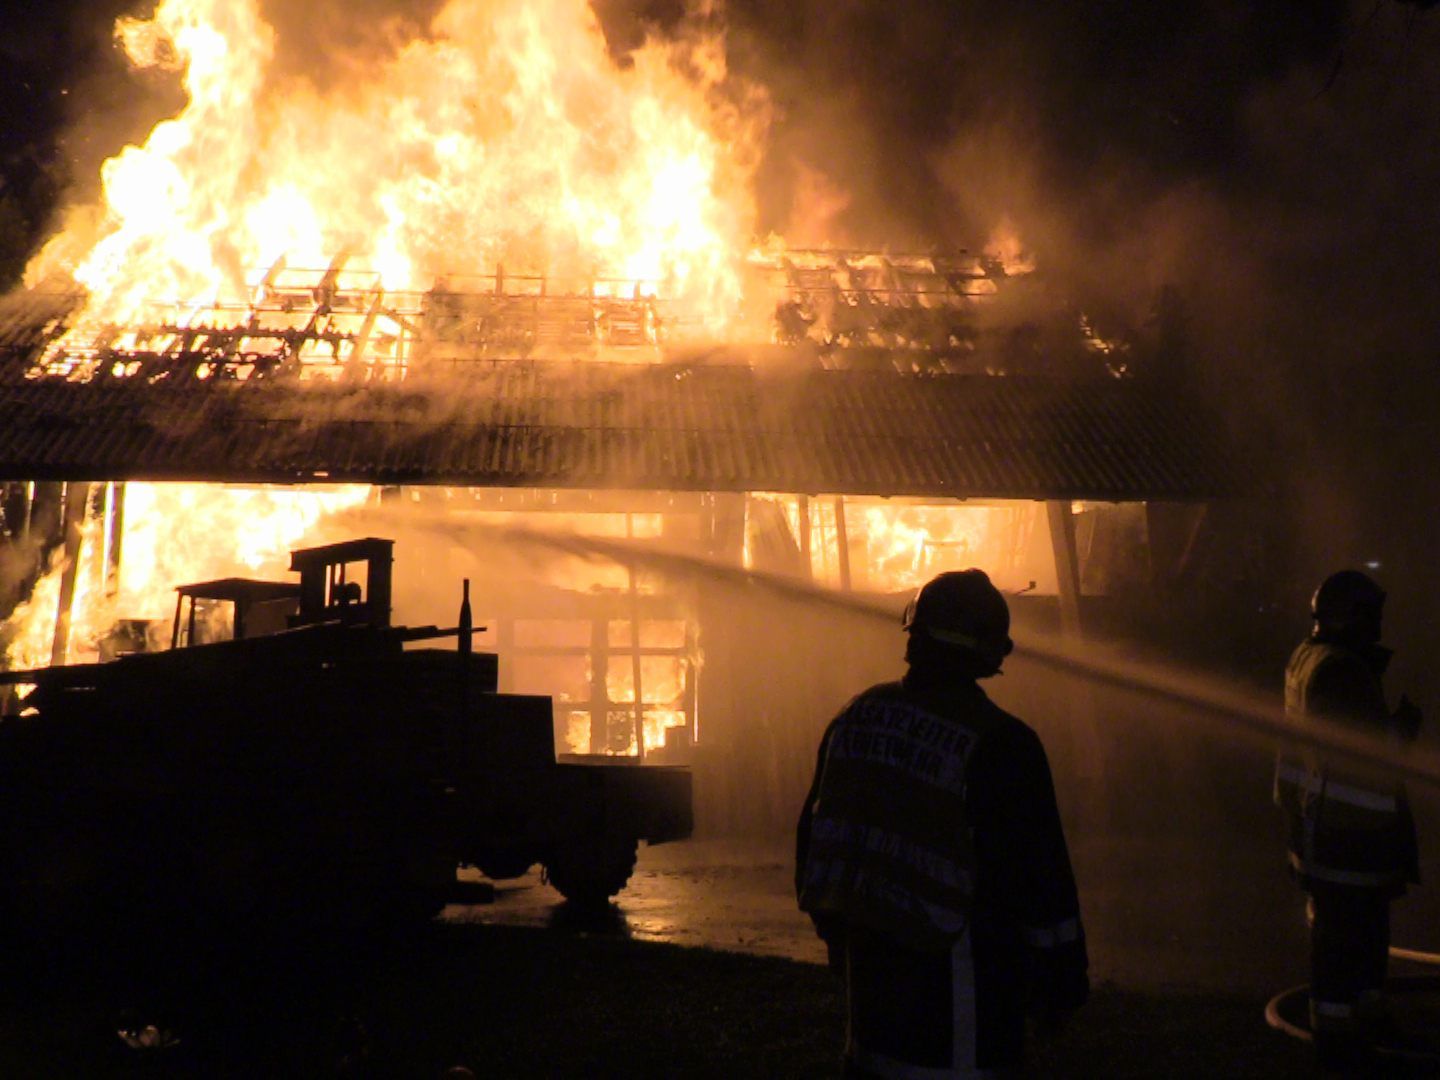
588, 871
503, 865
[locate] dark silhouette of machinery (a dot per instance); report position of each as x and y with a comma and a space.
294, 758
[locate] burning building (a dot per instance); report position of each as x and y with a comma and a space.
537, 343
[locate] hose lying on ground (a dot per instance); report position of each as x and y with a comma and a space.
1415, 956
1399, 984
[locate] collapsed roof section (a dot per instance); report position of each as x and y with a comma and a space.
835, 308
869, 381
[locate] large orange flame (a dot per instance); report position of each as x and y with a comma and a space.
507, 134
174, 534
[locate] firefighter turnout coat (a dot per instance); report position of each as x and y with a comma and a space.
932, 829
1347, 825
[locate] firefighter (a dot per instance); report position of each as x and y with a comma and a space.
1350, 831
931, 858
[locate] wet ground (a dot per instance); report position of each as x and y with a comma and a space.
1173, 917
1149, 922
717, 894
1188, 943
739, 896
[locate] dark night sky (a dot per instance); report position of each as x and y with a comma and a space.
1274, 162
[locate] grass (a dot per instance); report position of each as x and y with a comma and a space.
511, 1002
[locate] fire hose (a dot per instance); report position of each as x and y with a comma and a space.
1287, 1000
1415, 956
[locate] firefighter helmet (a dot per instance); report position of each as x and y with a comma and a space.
1349, 604
961, 608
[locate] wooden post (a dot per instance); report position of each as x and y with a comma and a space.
635, 643
1067, 563
114, 536
803, 502
44, 530
725, 535
29, 510
842, 543
599, 684
692, 680
77, 499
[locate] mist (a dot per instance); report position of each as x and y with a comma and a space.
1250, 189
1251, 192
1163, 775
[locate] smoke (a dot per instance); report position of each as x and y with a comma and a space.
1254, 185
510, 559
1163, 775
1248, 189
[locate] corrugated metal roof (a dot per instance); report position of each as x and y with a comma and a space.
708, 427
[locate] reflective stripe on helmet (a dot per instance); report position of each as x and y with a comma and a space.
950, 637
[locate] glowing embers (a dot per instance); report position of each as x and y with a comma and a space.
503, 316
1113, 352
341, 322
873, 299
289, 321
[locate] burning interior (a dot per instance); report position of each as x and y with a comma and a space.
528, 331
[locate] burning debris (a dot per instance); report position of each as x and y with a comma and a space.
343, 323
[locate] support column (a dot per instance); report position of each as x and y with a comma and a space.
1067, 563
114, 535
45, 517
77, 499
599, 684
842, 543
803, 505
44, 530
635, 664
725, 539
29, 510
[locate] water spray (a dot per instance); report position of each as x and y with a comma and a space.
1095, 661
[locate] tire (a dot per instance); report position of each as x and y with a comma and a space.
503, 865
589, 871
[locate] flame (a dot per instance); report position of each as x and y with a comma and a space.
174, 534
1006, 248
569, 679
908, 545
1113, 352
898, 546
506, 134
662, 694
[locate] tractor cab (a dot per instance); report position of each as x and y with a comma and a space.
231, 609
346, 583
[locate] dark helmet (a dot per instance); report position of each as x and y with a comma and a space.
1348, 604
962, 609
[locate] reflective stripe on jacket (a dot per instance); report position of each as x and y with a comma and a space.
1347, 825
888, 838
